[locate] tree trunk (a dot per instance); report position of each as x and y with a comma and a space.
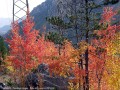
99, 85
86, 52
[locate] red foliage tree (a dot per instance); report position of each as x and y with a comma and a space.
27, 49
98, 49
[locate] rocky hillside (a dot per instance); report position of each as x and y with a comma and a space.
48, 8
39, 13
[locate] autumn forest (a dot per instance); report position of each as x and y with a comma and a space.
34, 59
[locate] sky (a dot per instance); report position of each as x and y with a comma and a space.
7, 5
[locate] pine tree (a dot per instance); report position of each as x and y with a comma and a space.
3, 50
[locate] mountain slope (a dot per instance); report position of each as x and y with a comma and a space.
4, 29
49, 8
42, 11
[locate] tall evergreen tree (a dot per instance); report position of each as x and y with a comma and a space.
3, 50
79, 18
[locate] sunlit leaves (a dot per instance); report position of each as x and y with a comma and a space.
27, 49
114, 46
101, 50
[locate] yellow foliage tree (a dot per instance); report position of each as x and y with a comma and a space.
112, 74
